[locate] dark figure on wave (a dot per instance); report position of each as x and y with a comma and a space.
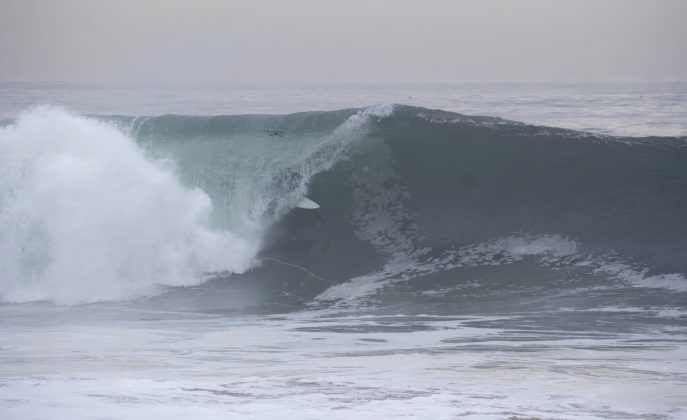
274, 133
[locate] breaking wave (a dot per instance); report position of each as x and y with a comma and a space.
415, 204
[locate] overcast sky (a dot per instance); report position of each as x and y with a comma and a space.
343, 41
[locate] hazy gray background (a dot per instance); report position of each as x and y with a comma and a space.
343, 41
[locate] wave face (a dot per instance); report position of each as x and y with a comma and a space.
417, 207
432, 203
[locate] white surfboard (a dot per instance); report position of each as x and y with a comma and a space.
307, 203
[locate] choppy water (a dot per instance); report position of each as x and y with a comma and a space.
123, 362
459, 266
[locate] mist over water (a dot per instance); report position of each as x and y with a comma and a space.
458, 266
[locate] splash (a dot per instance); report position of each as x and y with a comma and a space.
85, 216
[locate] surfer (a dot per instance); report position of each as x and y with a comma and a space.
274, 133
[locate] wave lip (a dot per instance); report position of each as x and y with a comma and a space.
88, 213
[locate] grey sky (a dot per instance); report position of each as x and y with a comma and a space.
343, 41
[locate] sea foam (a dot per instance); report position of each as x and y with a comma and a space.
85, 216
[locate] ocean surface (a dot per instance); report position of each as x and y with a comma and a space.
514, 251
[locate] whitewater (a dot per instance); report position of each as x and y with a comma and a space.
501, 252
